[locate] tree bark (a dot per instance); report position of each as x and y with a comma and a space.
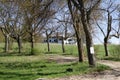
32, 43
6, 43
89, 42
77, 31
48, 43
80, 48
19, 43
105, 47
63, 48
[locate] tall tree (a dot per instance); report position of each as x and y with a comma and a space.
5, 19
37, 13
13, 21
86, 8
77, 28
49, 30
109, 28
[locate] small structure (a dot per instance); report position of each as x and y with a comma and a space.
71, 40
54, 39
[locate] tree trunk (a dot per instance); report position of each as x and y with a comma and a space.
89, 43
105, 47
32, 44
86, 26
66, 31
48, 43
80, 48
77, 31
19, 43
6, 43
63, 48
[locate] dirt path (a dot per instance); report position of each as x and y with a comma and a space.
113, 74
114, 65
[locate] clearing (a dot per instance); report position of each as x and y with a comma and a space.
113, 74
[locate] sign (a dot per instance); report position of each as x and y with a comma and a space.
92, 50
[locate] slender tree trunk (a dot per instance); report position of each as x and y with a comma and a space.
105, 47
63, 48
32, 44
66, 31
6, 43
80, 48
10, 43
109, 28
48, 43
19, 44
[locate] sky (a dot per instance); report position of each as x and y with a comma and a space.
98, 37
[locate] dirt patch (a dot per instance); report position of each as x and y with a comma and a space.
105, 75
62, 59
113, 74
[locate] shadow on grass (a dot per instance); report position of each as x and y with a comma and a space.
51, 52
52, 73
111, 58
67, 54
3, 54
17, 74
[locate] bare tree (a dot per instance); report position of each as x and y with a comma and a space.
86, 8
37, 13
49, 30
116, 30
12, 19
109, 28
5, 19
78, 30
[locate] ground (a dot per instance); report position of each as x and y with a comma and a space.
113, 74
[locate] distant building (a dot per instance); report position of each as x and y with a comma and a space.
54, 39
57, 38
71, 40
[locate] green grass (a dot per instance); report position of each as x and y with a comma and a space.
15, 66
33, 67
114, 52
42, 48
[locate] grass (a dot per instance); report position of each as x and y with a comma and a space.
33, 67
114, 52
15, 66
41, 48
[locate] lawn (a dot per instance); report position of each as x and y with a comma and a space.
15, 66
33, 67
114, 52
41, 48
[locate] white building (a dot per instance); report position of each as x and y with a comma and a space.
70, 41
